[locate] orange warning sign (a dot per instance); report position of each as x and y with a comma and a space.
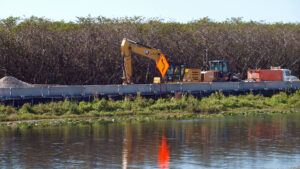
162, 65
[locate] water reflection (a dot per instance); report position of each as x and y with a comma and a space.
261, 129
272, 142
163, 153
127, 146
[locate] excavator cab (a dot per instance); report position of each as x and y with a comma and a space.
178, 73
175, 73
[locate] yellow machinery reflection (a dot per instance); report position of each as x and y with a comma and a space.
127, 146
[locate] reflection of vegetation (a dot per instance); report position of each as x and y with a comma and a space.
165, 107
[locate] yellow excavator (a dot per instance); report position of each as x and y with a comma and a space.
127, 48
176, 73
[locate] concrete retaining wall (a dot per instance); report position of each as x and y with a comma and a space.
144, 89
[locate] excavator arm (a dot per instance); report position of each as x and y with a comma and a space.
127, 48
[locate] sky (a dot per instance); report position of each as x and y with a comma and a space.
268, 11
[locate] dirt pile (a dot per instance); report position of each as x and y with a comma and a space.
9, 81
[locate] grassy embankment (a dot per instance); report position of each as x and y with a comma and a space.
175, 108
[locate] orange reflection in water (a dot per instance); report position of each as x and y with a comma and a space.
263, 130
163, 153
127, 146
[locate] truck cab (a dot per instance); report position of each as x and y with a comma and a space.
287, 76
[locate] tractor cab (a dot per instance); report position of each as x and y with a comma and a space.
219, 65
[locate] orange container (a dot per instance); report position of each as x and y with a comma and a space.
264, 75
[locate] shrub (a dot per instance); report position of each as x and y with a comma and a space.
26, 108
85, 107
100, 105
7, 110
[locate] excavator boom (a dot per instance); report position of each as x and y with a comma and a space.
127, 48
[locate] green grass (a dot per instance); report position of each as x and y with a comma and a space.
217, 103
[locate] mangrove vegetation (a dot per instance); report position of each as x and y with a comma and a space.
87, 51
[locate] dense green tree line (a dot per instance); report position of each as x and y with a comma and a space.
38, 50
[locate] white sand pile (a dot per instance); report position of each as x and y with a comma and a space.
9, 81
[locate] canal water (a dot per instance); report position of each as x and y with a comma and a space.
254, 142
